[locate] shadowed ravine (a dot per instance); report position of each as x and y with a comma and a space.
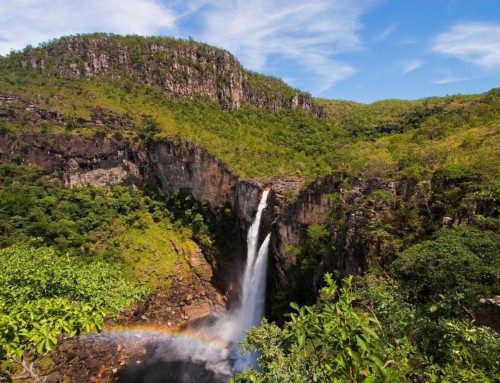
207, 351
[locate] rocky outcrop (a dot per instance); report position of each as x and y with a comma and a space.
180, 68
367, 217
357, 208
75, 159
189, 167
171, 166
103, 161
488, 313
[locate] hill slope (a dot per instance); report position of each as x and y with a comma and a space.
383, 139
406, 193
180, 68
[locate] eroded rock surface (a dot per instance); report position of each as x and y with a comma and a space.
181, 69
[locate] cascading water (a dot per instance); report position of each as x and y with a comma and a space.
175, 360
253, 289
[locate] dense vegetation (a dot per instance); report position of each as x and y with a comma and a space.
122, 226
44, 294
384, 224
70, 256
413, 325
409, 318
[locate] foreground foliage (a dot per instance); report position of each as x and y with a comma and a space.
328, 342
371, 334
44, 295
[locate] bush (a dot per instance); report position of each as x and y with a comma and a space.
460, 263
44, 294
328, 342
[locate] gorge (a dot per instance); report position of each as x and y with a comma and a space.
205, 183
183, 362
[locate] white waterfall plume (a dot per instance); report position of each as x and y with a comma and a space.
208, 351
253, 289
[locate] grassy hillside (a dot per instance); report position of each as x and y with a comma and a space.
120, 226
385, 139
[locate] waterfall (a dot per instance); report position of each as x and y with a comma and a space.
200, 361
253, 289
249, 285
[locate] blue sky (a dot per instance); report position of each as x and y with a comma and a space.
361, 50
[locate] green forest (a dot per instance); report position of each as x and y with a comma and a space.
71, 257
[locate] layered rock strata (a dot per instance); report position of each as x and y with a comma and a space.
180, 68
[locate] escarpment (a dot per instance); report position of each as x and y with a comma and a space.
361, 221
364, 218
180, 68
170, 166
87, 135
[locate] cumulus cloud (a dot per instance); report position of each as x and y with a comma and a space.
35, 21
411, 66
308, 34
478, 43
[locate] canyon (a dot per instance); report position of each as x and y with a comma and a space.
187, 70
153, 113
170, 166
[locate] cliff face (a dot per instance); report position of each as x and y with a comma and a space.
179, 68
187, 166
365, 217
167, 165
172, 166
347, 201
76, 160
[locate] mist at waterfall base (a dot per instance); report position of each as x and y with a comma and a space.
208, 351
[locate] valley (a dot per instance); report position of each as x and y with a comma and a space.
149, 156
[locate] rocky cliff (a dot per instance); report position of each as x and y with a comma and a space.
350, 209
361, 218
361, 221
104, 161
364, 217
179, 68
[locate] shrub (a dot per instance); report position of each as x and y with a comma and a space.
44, 294
462, 262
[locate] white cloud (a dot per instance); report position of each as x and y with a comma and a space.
305, 33
389, 30
35, 21
411, 66
451, 79
478, 43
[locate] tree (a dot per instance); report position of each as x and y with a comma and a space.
331, 341
44, 295
460, 263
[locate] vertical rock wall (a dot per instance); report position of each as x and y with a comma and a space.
180, 68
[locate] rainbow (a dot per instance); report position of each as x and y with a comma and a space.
161, 332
